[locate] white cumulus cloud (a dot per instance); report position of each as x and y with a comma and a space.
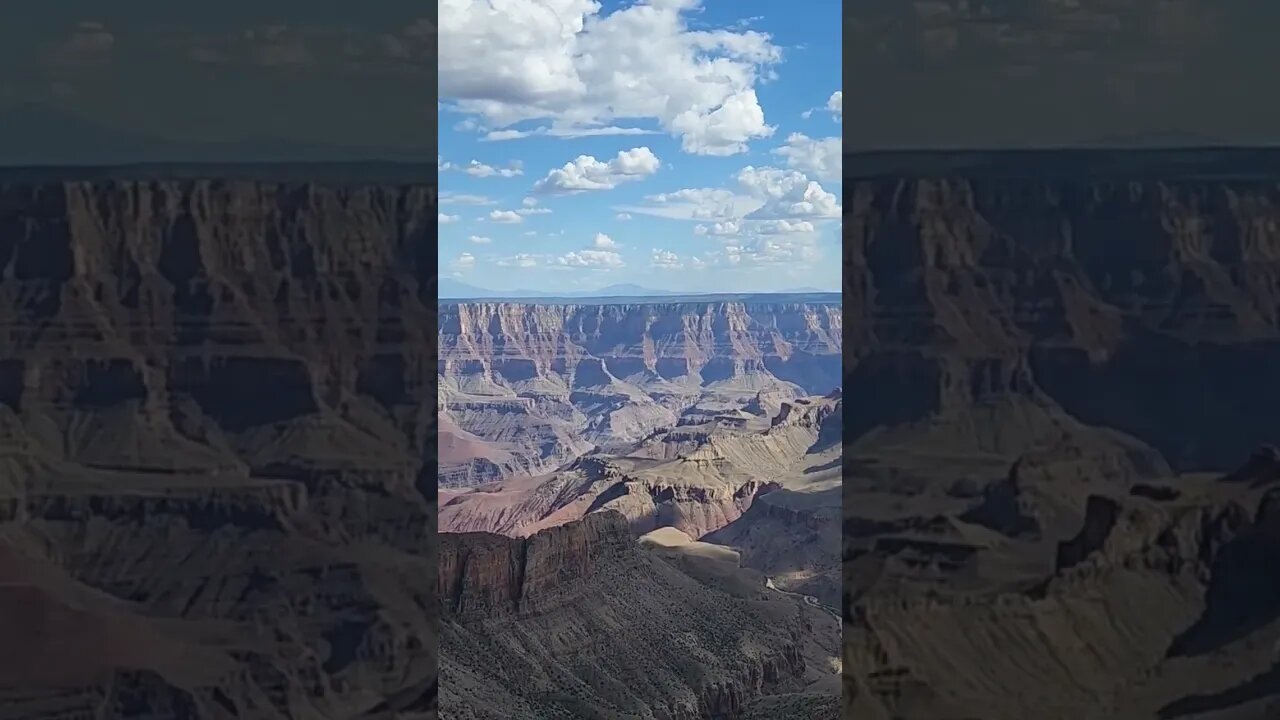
820, 157
587, 173
835, 105
566, 63
505, 216
666, 260
728, 227
478, 169
446, 219
479, 240
764, 193
605, 259
604, 242
787, 194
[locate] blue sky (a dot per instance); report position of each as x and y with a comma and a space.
677, 144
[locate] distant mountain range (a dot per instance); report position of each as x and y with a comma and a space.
454, 290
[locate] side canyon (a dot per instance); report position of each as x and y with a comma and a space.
1059, 489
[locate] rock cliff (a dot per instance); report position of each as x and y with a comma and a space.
1049, 377
964, 289
563, 624
490, 576
528, 387
214, 427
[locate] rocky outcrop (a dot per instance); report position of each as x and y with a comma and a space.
214, 428
694, 510
562, 624
489, 576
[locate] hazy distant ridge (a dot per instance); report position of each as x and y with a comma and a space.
450, 289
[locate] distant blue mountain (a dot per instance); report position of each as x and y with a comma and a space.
450, 289
456, 290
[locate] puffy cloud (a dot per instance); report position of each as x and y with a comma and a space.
602, 259
820, 157
783, 227
587, 173
666, 260
478, 169
835, 106
604, 242
475, 168
505, 216
729, 227
623, 216
530, 207
465, 260
766, 194
697, 204
787, 194
566, 63
758, 252
446, 219
479, 240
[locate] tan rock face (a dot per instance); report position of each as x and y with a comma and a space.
564, 623
586, 345
214, 434
526, 388
484, 576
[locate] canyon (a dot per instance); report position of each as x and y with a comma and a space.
216, 443
625, 470
1022, 467
1059, 494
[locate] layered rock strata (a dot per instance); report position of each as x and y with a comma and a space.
1039, 370
526, 388
562, 624
215, 443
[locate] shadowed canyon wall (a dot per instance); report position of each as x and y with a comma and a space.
216, 445
1150, 307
